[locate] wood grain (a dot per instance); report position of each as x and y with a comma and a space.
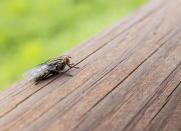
129, 79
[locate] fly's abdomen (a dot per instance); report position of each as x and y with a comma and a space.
40, 73
41, 76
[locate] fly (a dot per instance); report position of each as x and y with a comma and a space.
49, 68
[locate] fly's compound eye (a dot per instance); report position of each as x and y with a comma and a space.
66, 59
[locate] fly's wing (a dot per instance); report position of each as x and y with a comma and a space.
37, 71
31, 70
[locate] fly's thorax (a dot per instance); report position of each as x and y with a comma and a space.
61, 66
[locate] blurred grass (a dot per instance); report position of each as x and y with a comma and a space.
32, 31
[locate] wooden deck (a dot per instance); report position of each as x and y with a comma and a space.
129, 79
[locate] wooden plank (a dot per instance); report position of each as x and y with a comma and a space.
129, 79
151, 109
129, 96
168, 117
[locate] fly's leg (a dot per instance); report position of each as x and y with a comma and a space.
54, 72
51, 73
44, 77
72, 66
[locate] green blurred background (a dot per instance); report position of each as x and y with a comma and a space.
32, 31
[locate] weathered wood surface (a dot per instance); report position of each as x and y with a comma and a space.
129, 79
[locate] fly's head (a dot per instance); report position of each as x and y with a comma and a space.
61, 62
66, 59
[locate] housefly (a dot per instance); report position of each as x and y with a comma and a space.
49, 68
